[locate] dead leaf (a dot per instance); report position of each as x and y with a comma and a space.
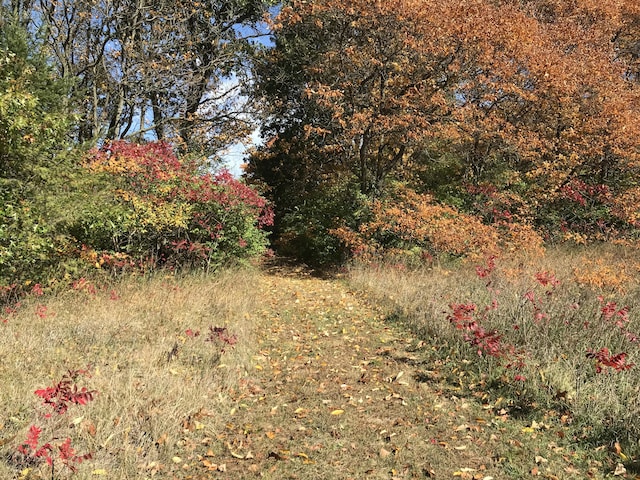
428, 471
618, 449
5, 441
77, 420
211, 466
384, 453
89, 427
620, 470
276, 455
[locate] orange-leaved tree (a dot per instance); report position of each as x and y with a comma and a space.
532, 98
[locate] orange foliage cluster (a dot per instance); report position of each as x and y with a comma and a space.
603, 274
414, 224
538, 98
543, 79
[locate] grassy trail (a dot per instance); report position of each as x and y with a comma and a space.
274, 374
340, 392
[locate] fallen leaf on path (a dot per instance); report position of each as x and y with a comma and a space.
210, 465
620, 470
276, 455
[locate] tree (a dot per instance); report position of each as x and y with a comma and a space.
528, 96
33, 135
173, 70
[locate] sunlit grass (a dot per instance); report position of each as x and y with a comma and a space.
159, 389
551, 328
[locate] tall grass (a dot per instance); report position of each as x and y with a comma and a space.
547, 320
161, 384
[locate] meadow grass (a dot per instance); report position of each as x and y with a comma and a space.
249, 373
533, 330
157, 369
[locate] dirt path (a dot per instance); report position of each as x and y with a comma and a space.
339, 392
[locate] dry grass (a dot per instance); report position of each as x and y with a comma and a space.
604, 406
155, 385
322, 383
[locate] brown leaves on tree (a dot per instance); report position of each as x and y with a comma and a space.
531, 97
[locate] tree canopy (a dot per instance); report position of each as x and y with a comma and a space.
382, 121
168, 70
539, 99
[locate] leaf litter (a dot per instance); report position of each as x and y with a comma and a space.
339, 392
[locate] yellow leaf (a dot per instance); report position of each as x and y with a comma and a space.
258, 367
176, 460
337, 412
99, 471
77, 420
209, 465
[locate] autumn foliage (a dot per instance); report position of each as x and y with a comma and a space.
531, 107
414, 227
162, 210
